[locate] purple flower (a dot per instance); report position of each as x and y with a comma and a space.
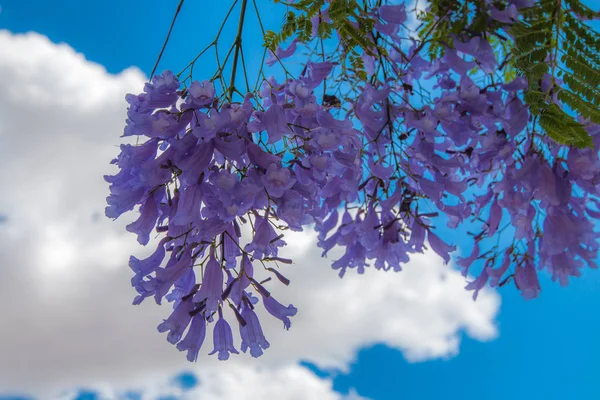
177, 322
133, 157
478, 283
427, 124
509, 15
432, 189
563, 266
122, 199
207, 125
441, 248
231, 145
188, 208
240, 284
167, 276
161, 92
211, 289
223, 339
317, 73
515, 117
291, 210
354, 257
466, 262
481, 50
265, 241
495, 217
526, 280
261, 158
315, 21
163, 124
417, 236
326, 120
148, 265
252, 334
327, 139
451, 60
368, 229
395, 14
201, 94
391, 251
522, 3
496, 274
381, 171
196, 162
301, 92
277, 180
182, 287
250, 193
327, 225
274, 122
279, 311
192, 342
517, 84
231, 246
281, 53
148, 215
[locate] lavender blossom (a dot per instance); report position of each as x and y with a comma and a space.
223, 339
252, 334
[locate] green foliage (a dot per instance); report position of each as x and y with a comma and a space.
562, 128
350, 21
446, 18
299, 25
358, 66
552, 41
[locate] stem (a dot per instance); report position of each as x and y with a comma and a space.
556, 16
162, 50
238, 45
213, 43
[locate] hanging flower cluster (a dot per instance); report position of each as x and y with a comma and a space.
372, 181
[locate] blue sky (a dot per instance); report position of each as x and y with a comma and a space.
546, 348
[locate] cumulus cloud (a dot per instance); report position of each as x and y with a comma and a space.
247, 382
291, 382
65, 298
420, 311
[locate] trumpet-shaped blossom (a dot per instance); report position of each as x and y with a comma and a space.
223, 339
194, 338
252, 334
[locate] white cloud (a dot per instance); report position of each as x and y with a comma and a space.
413, 9
65, 298
242, 382
247, 382
420, 310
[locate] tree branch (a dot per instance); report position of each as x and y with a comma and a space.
238, 45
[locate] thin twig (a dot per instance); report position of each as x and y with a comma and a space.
167, 38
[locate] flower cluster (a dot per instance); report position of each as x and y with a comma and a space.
202, 172
374, 180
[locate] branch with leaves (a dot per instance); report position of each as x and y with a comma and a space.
466, 113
